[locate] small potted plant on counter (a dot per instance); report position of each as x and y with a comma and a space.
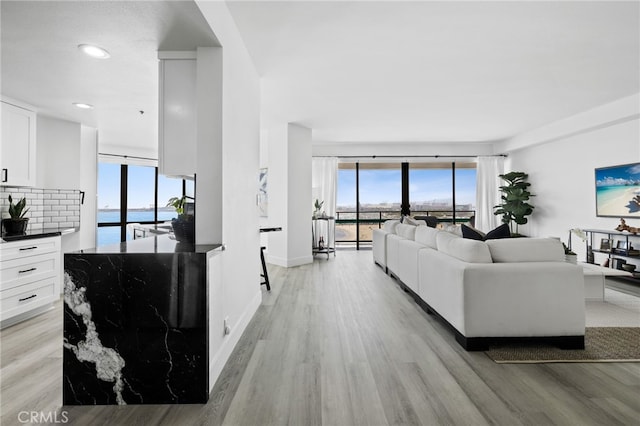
184, 227
16, 224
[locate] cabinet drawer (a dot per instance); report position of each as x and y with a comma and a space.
23, 248
28, 269
26, 297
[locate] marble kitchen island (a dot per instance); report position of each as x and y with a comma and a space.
135, 323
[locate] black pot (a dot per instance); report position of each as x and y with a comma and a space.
15, 226
184, 230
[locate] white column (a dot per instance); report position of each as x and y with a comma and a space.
209, 146
289, 189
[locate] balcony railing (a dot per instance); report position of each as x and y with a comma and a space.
347, 222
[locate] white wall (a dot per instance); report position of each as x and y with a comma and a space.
209, 137
237, 268
67, 159
289, 189
88, 184
560, 160
57, 153
401, 148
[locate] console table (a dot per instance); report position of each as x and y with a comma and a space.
616, 245
324, 239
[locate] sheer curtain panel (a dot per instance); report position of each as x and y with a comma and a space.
488, 192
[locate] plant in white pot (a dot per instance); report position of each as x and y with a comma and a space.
184, 226
16, 224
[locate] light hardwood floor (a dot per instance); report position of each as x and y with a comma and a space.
339, 343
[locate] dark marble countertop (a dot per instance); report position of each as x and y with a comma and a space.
40, 233
151, 245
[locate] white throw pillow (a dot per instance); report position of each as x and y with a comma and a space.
390, 225
406, 231
526, 250
411, 221
427, 236
472, 251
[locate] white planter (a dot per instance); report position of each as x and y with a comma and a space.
571, 258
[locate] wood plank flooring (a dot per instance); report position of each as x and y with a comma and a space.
339, 343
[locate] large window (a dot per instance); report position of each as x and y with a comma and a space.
431, 190
370, 193
133, 194
380, 196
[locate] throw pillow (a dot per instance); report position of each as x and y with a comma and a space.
410, 221
501, 231
472, 233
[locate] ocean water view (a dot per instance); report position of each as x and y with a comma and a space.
111, 234
616, 200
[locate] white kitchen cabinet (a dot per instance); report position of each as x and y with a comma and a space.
177, 114
30, 276
18, 146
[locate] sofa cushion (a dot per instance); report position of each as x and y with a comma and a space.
426, 235
501, 231
390, 225
471, 251
526, 250
406, 231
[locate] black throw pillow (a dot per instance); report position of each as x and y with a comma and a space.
501, 231
471, 233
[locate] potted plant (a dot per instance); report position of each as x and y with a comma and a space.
16, 224
317, 206
515, 197
184, 226
569, 255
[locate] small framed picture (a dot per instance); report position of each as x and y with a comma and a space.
621, 245
605, 244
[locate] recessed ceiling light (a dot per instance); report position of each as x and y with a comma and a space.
94, 51
83, 106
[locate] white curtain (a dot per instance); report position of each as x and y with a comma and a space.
324, 178
488, 192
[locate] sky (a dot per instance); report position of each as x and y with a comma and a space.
376, 186
140, 187
384, 186
619, 175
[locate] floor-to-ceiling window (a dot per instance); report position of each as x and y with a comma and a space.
431, 190
346, 229
370, 193
133, 194
380, 196
465, 191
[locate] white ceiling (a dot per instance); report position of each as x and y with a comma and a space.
351, 71
438, 71
42, 66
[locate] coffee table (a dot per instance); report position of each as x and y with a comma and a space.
594, 279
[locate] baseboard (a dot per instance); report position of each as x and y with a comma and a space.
26, 315
289, 263
222, 356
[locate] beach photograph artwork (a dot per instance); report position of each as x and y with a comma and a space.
618, 191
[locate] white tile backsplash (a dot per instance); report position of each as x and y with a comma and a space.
47, 207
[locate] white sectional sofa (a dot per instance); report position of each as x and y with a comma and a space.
488, 292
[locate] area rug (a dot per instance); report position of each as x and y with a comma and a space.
602, 344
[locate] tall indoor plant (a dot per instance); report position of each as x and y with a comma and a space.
515, 196
16, 224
